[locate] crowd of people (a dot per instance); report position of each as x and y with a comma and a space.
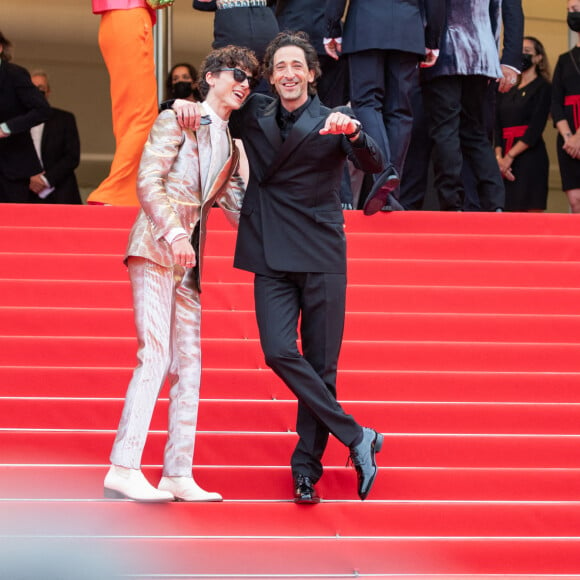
282, 131
425, 77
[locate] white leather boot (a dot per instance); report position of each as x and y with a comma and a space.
125, 483
185, 489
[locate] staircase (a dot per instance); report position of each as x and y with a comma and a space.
462, 345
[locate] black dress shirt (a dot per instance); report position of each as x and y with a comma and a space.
286, 119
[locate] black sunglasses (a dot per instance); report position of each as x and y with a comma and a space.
240, 76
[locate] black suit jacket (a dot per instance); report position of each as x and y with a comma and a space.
409, 26
291, 219
306, 15
61, 152
22, 106
250, 26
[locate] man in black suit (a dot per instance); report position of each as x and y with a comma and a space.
21, 107
291, 236
384, 41
58, 145
332, 86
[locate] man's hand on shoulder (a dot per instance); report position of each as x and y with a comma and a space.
340, 124
188, 114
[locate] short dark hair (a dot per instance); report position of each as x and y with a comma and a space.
6, 54
169, 83
291, 38
227, 57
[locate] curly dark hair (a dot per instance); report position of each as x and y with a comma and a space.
292, 38
6, 54
169, 83
227, 57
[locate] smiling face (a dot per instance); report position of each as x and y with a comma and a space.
291, 76
225, 93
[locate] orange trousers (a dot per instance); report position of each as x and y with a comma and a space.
126, 43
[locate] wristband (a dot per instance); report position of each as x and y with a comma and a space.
355, 133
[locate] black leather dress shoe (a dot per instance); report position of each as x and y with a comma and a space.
304, 491
363, 459
378, 196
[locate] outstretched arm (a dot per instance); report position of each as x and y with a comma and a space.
360, 148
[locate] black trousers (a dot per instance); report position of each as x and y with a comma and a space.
381, 83
455, 109
317, 300
333, 86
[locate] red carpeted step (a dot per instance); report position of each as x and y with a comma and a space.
360, 298
460, 345
280, 416
355, 355
104, 322
231, 448
258, 384
314, 557
67, 321
285, 519
66, 216
455, 246
384, 271
461, 246
399, 222
275, 483
87, 240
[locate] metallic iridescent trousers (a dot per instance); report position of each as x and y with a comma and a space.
167, 318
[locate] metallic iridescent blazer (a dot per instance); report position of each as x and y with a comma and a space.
170, 190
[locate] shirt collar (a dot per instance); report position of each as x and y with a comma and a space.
216, 120
293, 115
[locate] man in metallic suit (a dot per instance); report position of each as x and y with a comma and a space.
181, 175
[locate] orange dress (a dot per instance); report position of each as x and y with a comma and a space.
126, 43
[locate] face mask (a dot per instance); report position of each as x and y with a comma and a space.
527, 61
182, 90
574, 21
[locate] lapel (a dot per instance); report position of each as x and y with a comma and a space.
203, 141
301, 129
224, 174
269, 125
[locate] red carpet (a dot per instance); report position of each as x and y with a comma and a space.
461, 345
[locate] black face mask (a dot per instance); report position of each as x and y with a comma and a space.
527, 61
574, 21
182, 90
